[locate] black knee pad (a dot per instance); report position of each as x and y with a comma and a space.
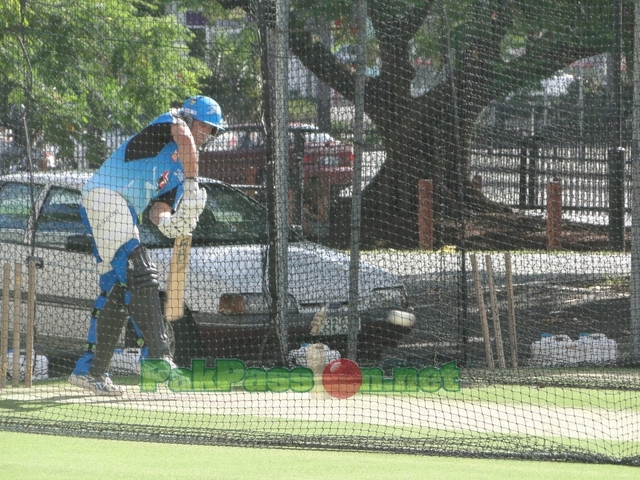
144, 302
109, 322
141, 272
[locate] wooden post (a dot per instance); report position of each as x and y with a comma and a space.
17, 299
250, 175
476, 183
511, 311
493, 299
31, 313
324, 197
291, 213
316, 205
554, 214
483, 313
4, 332
425, 214
317, 201
250, 179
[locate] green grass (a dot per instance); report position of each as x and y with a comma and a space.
26, 456
523, 395
613, 400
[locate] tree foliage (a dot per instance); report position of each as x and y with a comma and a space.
235, 80
84, 67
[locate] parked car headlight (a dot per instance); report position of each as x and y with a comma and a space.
401, 318
249, 303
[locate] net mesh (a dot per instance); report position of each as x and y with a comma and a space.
417, 234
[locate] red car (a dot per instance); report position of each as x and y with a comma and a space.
238, 156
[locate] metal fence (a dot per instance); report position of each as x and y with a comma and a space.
518, 177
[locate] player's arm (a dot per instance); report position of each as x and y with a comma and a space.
187, 150
183, 220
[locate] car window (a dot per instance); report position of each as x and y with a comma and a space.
229, 217
15, 208
59, 218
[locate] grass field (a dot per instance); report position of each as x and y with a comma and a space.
28, 456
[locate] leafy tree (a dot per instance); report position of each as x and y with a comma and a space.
232, 55
81, 68
485, 50
235, 79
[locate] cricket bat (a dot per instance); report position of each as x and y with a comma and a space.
174, 306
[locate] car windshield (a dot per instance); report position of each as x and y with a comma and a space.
229, 217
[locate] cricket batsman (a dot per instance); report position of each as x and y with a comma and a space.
157, 167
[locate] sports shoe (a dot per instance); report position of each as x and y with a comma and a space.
101, 385
170, 361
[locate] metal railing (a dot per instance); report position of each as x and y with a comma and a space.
516, 177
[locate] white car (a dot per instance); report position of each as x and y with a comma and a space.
227, 284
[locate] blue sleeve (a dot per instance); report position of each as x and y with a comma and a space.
164, 118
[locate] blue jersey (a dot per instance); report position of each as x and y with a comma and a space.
144, 167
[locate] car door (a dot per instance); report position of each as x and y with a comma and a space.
68, 278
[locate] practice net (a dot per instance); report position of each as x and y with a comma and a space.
418, 234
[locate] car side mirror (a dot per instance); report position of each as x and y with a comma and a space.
79, 243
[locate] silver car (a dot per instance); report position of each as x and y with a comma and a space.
227, 284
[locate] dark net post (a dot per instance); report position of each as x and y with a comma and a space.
425, 214
297, 177
522, 184
532, 171
554, 214
616, 198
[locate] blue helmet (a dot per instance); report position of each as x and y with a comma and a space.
205, 110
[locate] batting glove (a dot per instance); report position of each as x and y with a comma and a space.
184, 221
318, 320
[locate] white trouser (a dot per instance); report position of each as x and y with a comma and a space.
111, 222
